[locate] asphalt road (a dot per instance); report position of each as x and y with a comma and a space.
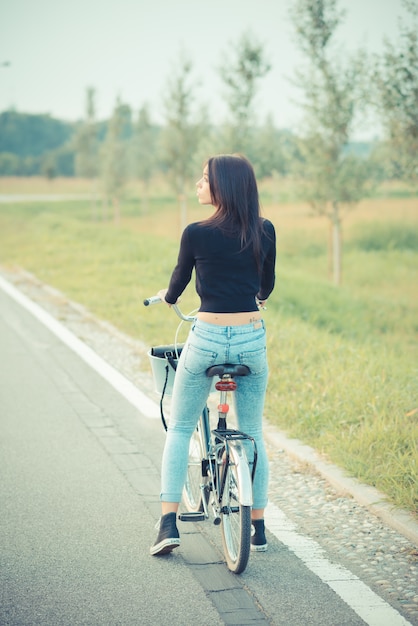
79, 500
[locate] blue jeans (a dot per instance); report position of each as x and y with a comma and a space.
206, 345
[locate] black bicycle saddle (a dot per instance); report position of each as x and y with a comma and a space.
227, 368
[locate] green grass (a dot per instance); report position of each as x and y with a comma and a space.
343, 361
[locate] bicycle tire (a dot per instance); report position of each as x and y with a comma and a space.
235, 524
192, 492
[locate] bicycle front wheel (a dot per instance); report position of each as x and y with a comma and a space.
235, 523
194, 487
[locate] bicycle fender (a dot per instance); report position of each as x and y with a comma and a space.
245, 487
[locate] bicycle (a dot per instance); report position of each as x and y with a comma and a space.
219, 479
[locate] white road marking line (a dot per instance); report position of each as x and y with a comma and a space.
125, 387
356, 594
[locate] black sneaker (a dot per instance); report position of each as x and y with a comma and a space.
168, 536
258, 536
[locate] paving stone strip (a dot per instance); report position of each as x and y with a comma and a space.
350, 534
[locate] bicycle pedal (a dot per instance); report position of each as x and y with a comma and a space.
192, 517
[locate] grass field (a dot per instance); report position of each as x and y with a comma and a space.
343, 361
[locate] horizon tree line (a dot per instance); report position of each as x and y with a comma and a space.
336, 89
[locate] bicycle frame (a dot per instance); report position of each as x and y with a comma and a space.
224, 481
239, 459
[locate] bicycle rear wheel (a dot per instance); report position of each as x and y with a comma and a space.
235, 523
193, 491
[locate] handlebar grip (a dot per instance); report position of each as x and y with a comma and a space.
152, 300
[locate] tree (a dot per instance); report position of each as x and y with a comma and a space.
9, 164
245, 65
272, 150
49, 166
144, 150
33, 140
396, 80
181, 135
87, 146
114, 162
333, 178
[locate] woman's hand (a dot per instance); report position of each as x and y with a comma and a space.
161, 294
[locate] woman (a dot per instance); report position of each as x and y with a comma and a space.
233, 253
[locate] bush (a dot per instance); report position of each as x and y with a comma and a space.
388, 236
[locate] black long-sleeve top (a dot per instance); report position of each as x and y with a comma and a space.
228, 279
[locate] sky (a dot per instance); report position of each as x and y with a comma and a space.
129, 49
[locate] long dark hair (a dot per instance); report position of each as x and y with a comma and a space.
234, 192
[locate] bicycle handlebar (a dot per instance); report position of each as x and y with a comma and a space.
187, 318
152, 300
157, 300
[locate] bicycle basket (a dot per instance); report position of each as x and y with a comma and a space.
164, 361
